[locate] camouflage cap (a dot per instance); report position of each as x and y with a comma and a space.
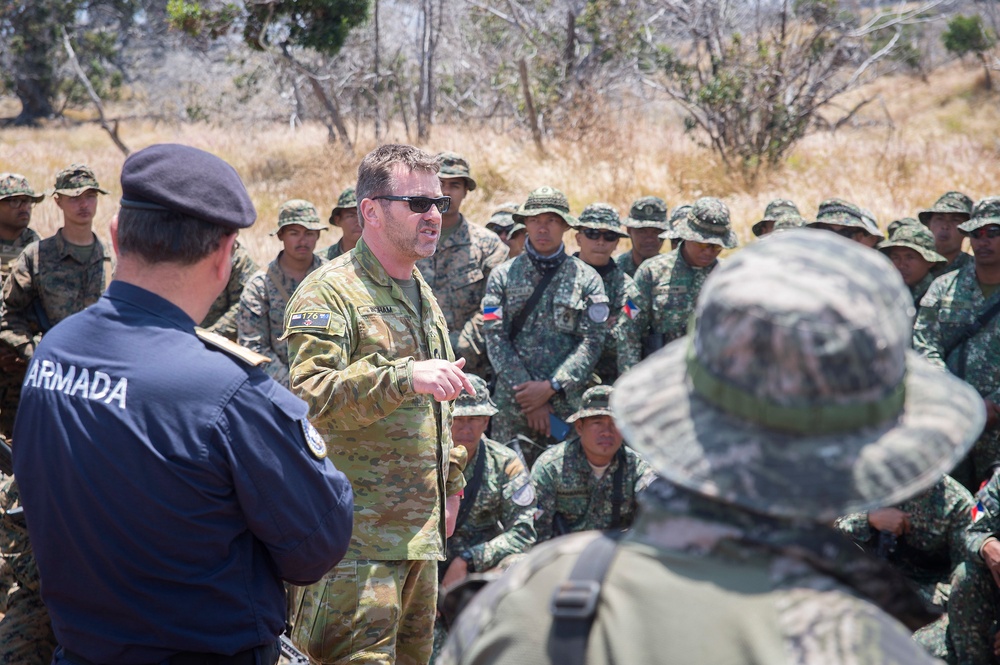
454, 166
600, 216
649, 212
301, 212
986, 212
896, 224
15, 184
775, 209
840, 212
707, 222
595, 402
76, 179
479, 404
346, 201
679, 213
796, 394
949, 202
501, 219
914, 236
542, 200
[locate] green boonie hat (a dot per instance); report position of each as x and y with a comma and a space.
986, 212
76, 179
707, 221
895, 225
301, 212
452, 165
775, 209
796, 394
542, 200
949, 202
502, 219
346, 201
841, 212
15, 184
679, 213
649, 212
600, 216
595, 402
479, 404
916, 237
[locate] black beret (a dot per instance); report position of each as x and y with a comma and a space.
187, 180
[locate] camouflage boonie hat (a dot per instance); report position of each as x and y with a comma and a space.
75, 179
796, 394
775, 209
346, 201
516, 228
595, 402
897, 224
478, 405
679, 213
649, 212
871, 224
542, 200
949, 202
986, 212
15, 184
914, 236
707, 221
298, 211
502, 219
600, 216
454, 166
840, 212
788, 221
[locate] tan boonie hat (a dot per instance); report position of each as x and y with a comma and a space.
593, 403
76, 179
950, 202
454, 166
985, 213
774, 210
707, 221
346, 201
916, 237
479, 404
543, 200
600, 216
15, 184
502, 218
298, 211
797, 394
649, 212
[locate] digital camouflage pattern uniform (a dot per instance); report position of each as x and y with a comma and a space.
346, 200
930, 555
353, 336
744, 421
562, 337
222, 315
951, 304
954, 203
975, 600
917, 238
260, 324
648, 212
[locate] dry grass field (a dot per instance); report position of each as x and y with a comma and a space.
916, 141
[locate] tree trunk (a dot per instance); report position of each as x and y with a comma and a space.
36, 101
986, 69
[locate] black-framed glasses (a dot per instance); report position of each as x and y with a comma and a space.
19, 201
991, 231
421, 204
594, 234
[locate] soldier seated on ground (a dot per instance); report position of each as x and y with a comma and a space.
591, 480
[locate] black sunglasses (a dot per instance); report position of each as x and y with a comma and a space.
991, 231
594, 234
421, 203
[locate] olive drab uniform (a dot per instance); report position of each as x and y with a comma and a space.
222, 315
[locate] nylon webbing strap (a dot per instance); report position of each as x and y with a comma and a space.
522, 317
574, 602
472, 487
618, 491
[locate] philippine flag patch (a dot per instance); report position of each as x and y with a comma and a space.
630, 309
493, 313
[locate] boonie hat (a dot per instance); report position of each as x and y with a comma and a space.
595, 402
301, 212
502, 218
15, 184
518, 227
600, 216
707, 221
479, 404
949, 202
452, 165
775, 209
895, 225
871, 224
679, 213
542, 200
346, 201
76, 179
916, 237
797, 394
648, 212
840, 212
985, 213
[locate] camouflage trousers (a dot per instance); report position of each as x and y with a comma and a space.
366, 611
965, 635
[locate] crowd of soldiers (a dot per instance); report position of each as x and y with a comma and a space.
544, 335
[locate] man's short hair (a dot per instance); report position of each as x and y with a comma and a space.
375, 174
166, 236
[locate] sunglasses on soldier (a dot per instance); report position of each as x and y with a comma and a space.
594, 234
991, 231
421, 204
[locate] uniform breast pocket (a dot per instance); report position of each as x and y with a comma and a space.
567, 315
389, 335
461, 279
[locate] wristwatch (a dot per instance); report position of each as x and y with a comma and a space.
467, 557
555, 385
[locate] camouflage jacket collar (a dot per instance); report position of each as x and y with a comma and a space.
370, 265
275, 272
64, 248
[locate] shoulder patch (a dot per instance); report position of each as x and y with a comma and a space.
524, 495
598, 312
315, 442
308, 321
232, 348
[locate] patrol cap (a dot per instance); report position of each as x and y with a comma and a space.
15, 184
707, 221
543, 200
479, 404
914, 236
179, 178
679, 213
452, 165
840, 212
797, 394
648, 212
985, 213
301, 212
346, 201
76, 179
600, 216
502, 219
949, 202
595, 402
775, 209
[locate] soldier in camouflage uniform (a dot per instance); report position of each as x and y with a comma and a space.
345, 216
17, 198
795, 399
669, 284
502, 220
911, 250
873, 234
222, 315
591, 480
843, 218
902, 221
262, 306
544, 366
943, 219
646, 222
775, 209
598, 230
951, 305
369, 352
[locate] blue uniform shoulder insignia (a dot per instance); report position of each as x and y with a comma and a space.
231, 348
315, 442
